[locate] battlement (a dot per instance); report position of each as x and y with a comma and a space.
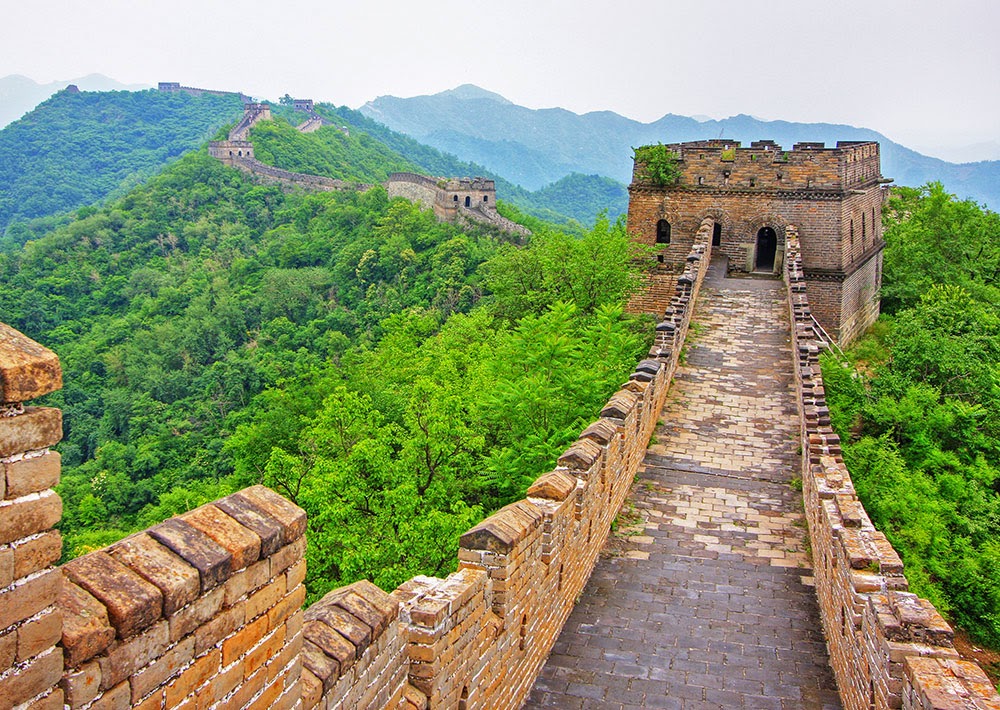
303, 105
453, 199
229, 151
765, 166
175, 86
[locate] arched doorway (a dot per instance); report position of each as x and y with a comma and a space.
717, 235
468, 201
663, 232
767, 245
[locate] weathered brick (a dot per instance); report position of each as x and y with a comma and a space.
195, 614
269, 530
342, 621
288, 556
8, 648
126, 658
295, 574
241, 543
7, 566
86, 629
225, 682
288, 605
32, 678
265, 598
52, 701
246, 638
81, 684
37, 553
195, 676
32, 475
27, 369
39, 634
28, 515
555, 485
247, 581
162, 669
312, 689
270, 646
38, 428
133, 604
222, 626
213, 562
251, 685
266, 699
331, 643
291, 518
322, 667
27, 598
116, 698
178, 581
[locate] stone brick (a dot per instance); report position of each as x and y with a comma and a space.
238, 644
312, 689
331, 643
225, 682
81, 684
195, 614
39, 634
503, 530
241, 543
195, 676
247, 581
291, 518
555, 485
27, 369
581, 455
222, 626
52, 701
8, 648
145, 680
287, 606
269, 530
133, 604
126, 658
264, 598
324, 668
29, 515
213, 562
7, 566
26, 599
37, 553
38, 428
86, 629
270, 646
342, 621
35, 677
287, 556
32, 475
178, 581
116, 698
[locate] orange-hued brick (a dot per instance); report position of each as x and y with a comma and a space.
117, 698
241, 543
269, 696
269, 647
223, 684
31, 475
39, 634
295, 574
28, 598
27, 516
37, 553
243, 640
195, 614
222, 626
33, 678
241, 698
81, 685
193, 677
28, 369
162, 669
153, 702
286, 606
265, 598
128, 657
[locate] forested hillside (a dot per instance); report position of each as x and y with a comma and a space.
77, 148
397, 377
919, 406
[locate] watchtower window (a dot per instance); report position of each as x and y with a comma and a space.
864, 233
455, 198
753, 182
486, 198
468, 201
663, 232
717, 235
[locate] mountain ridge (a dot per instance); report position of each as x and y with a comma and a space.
537, 147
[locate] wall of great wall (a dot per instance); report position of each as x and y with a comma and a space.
204, 610
888, 647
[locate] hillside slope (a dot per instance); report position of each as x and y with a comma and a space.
538, 147
77, 148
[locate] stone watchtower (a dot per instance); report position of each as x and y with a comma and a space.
832, 195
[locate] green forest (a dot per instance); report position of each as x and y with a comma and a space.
918, 404
77, 148
397, 377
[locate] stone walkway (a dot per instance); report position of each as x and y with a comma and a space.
703, 598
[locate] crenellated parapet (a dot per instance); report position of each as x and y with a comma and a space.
888, 647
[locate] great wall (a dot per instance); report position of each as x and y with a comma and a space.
463, 200
205, 609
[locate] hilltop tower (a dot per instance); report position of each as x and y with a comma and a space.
832, 195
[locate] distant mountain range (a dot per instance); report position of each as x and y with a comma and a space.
535, 148
19, 94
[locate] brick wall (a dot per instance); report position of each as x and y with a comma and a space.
888, 647
31, 661
205, 609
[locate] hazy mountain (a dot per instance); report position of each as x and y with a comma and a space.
537, 147
19, 94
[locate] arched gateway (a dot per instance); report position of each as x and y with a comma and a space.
752, 194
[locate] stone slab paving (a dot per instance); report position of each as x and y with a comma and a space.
703, 598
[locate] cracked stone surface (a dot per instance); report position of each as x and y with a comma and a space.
703, 598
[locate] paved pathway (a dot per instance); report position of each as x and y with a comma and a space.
704, 599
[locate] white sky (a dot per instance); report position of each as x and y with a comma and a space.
923, 72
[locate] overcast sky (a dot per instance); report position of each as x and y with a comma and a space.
923, 72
